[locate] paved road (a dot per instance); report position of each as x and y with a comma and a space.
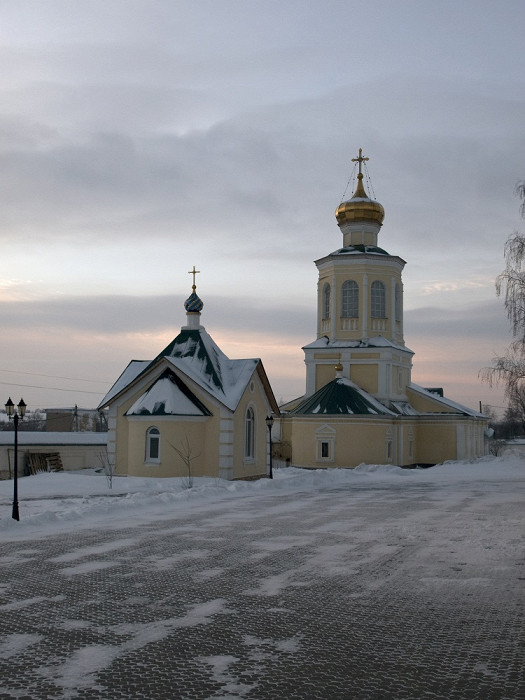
395, 592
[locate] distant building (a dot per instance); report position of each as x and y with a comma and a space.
42, 451
360, 403
76, 420
191, 411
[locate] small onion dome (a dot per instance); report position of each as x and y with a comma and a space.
193, 303
360, 207
339, 367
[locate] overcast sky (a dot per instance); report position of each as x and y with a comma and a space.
141, 137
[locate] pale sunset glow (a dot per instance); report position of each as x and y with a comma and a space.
137, 143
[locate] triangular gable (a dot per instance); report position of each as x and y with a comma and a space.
325, 431
168, 396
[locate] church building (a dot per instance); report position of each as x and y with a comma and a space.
191, 411
360, 403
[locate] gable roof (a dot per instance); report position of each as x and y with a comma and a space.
340, 397
168, 396
194, 353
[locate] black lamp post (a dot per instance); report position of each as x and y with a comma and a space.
269, 423
12, 413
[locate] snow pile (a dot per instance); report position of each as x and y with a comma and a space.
83, 499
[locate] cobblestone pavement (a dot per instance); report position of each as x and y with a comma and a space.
390, 592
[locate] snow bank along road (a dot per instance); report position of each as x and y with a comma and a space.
408, 587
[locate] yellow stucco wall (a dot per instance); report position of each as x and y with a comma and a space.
361, 440
253, 396
426, 404
210, 441
402, 441
365, 376
324, 374
193, 437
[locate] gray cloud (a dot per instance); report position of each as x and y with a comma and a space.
117, 314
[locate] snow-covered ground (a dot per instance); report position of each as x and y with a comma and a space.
83, 499
377, 582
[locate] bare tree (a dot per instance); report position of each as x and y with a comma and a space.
108, 467
509, 368
185, 452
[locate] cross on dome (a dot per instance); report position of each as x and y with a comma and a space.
360, 159
193, 303
197, 272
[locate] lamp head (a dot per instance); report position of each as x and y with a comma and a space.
9, 408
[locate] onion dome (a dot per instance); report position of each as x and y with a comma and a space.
193, 303
360, 207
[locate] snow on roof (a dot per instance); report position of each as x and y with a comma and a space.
34, 438
404, 408
235, 375
131, 372
194, 353
446, 402
168, 396
377, 342
360, 249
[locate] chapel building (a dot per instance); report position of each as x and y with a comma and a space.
191, 411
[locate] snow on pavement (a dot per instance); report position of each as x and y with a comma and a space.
83, 499
237, 572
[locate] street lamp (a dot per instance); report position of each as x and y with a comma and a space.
12, 413
269, 423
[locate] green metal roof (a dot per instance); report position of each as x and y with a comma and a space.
190, 344
340, 397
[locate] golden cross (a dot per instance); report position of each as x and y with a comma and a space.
360, 159
194, 272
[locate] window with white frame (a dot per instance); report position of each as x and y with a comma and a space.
326, 301
325, 444
153, 445
350, 299
249, 434
378, 300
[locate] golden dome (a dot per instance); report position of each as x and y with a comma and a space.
360, 207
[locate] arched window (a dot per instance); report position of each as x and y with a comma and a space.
378, 300
249, 434
326, 301
153, 444
398, 302
350, 299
